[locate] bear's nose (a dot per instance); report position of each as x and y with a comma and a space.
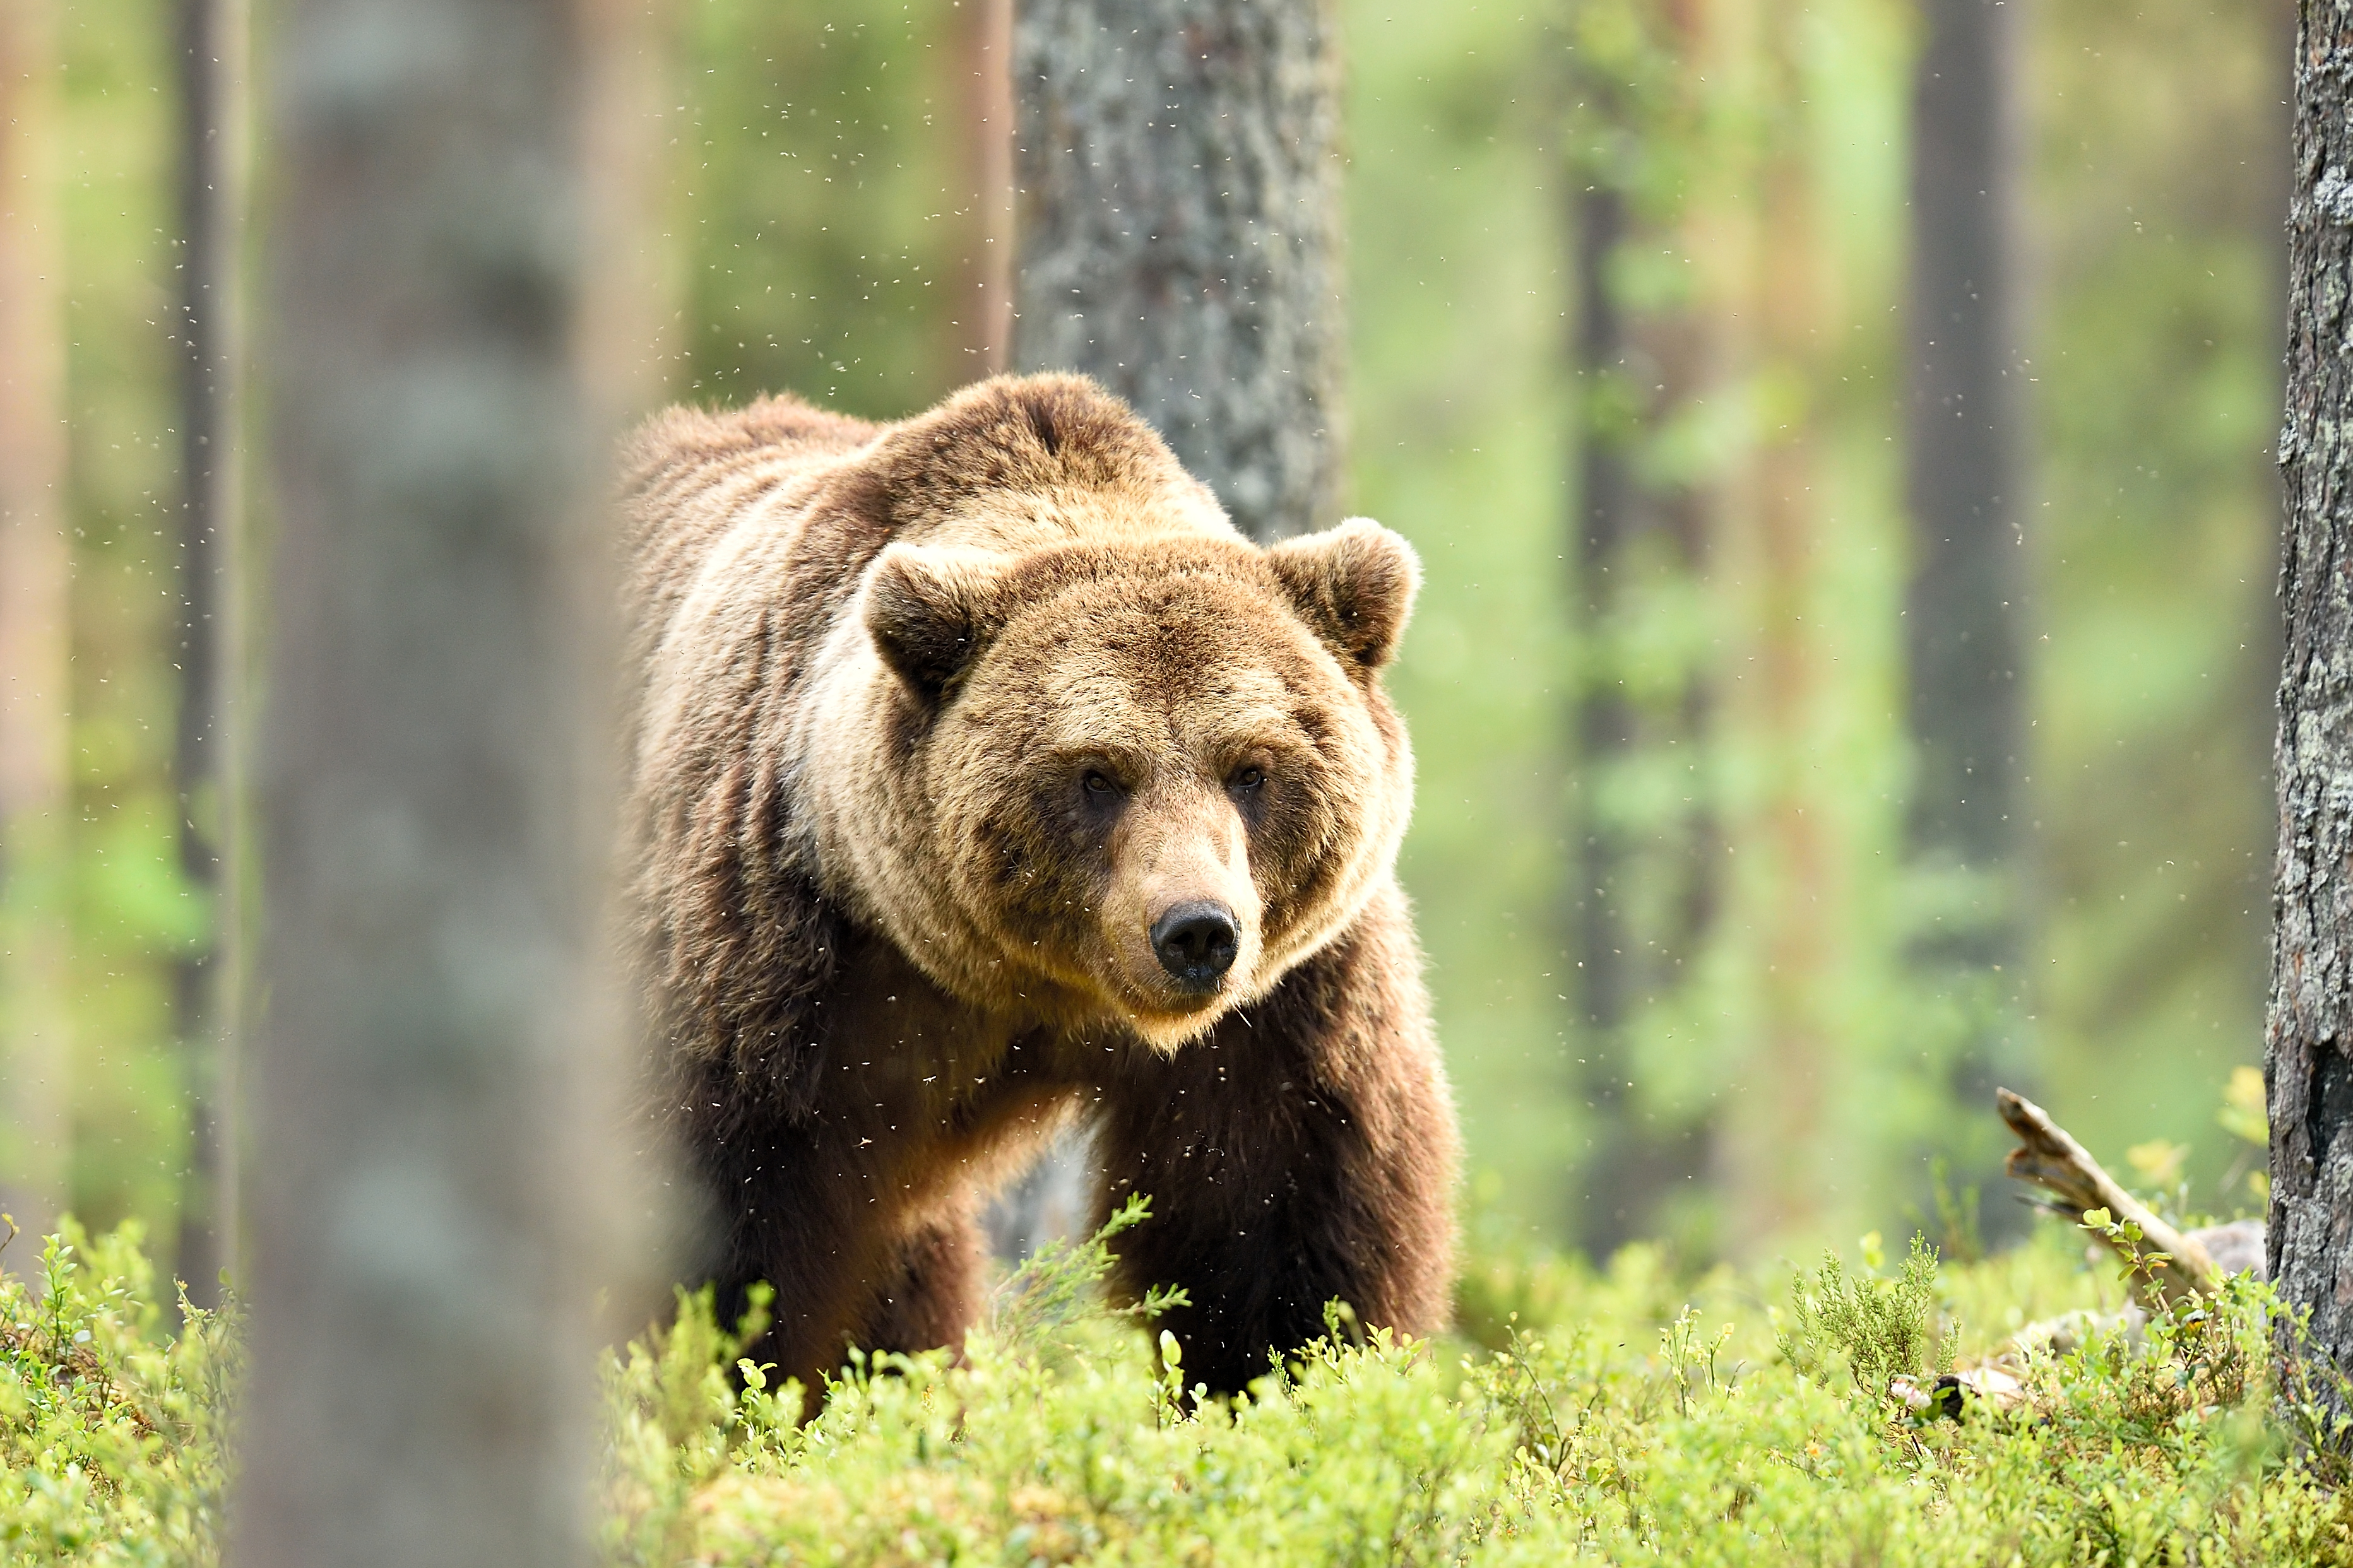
1196, 942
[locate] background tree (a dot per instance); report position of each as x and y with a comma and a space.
1180, 229
35, 564
430, 1190
1789, 897
1965, 609
2308, 1060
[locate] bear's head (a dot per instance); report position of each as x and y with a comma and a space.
1133, 777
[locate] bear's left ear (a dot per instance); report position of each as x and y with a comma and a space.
1354, 584
930, 611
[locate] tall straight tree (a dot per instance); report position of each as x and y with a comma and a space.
1771, 1144
2309, 1046
1962, 459
429, 1201
36, 565
1179, 165
211, 53
983, 94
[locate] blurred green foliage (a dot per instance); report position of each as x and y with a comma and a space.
131, 911
824, 235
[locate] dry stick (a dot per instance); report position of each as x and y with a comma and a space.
2056, 1160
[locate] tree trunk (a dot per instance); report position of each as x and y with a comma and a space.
2308, 1055
1178, 172
431, 1089
1962, 451
211, 45
36, 565
1772, 1141
1962, 437
1623, 1177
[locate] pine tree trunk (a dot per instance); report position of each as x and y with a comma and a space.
1771, 1144
36, 567
2309, 1056
431, 1089
1179, 170
1621, 1178
1785, 893
1963, 611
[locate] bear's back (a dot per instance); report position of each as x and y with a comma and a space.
691, 474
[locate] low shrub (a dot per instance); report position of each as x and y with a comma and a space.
113, 1409
1620, 1415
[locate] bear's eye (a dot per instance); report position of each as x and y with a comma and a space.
1097, 784
1248, 778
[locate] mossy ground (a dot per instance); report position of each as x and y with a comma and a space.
1630, 1413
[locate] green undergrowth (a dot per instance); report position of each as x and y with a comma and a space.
114, 1401
1628, 1413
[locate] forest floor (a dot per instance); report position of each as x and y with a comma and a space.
1624, 1415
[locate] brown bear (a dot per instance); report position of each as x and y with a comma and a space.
985, 775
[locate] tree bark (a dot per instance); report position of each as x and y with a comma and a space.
2308, 1053
1962, 439
1178, 173
435, 1080
36, 568
211, 58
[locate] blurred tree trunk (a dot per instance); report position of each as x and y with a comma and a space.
983, 92
1621, 1181
1772, 1149
434, 1084
211, 58
36, 567
1962, 441
1643, 892
1178, 225
1178, 171
2308, 1058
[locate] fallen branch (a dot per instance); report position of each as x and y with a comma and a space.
2053, 1159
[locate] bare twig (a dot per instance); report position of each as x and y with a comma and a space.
2056, 1160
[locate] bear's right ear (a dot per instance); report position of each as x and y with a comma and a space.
930, 611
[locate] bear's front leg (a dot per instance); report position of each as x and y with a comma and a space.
859, 1215
793, 1202
1303, 1151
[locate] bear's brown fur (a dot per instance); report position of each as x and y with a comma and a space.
985, 774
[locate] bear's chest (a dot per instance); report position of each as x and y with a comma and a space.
926, 1094
901, 1044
